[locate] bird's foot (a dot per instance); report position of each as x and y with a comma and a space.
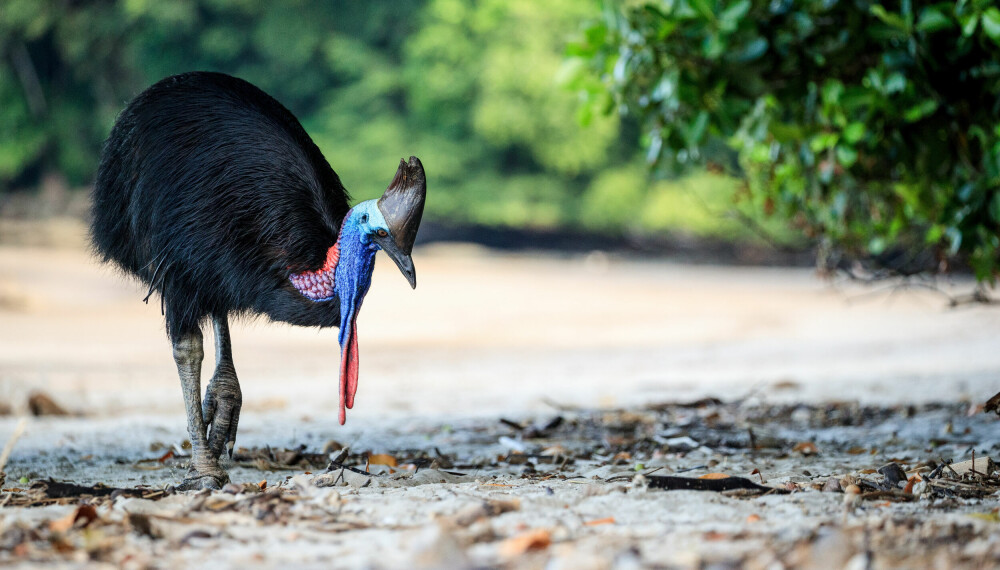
196, 480
221, 412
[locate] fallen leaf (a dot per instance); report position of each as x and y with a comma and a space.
714, 476
910, 482
538, 539
382, 459
598, 522
983, 466
41, 404
753, 518
85, 513
166, 456
555, 451
262, 485
806, 448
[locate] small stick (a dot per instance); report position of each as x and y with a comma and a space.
7, 449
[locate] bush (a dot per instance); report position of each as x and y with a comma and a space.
872, 127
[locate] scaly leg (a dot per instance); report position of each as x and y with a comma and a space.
223, 398
204, 472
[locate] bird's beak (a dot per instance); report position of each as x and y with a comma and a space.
403, 261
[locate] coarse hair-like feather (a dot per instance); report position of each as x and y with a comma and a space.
211, 193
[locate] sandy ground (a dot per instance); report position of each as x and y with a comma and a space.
487, 335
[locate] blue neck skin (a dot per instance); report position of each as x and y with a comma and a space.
353, 274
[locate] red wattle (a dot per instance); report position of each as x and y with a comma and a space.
349, 370
352, 370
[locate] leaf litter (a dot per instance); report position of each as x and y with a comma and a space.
660, 485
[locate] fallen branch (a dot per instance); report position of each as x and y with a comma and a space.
671, 483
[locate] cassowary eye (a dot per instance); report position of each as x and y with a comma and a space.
364, 218
382, 233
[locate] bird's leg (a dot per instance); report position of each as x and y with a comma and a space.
204, 472
223, 398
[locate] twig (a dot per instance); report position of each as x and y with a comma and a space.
7, 449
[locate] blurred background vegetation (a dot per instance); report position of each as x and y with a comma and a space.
869, 129
481, 91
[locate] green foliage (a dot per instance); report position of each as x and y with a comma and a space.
477, 89
873, 127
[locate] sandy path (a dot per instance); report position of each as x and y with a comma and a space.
487, 334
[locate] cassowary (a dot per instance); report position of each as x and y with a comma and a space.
211, 193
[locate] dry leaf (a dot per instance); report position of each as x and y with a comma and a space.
910, 482
41, 404
85, 513
753, 518
538, 539
806, 448
263, 484
382, 459
714, 476
598, 522
555, 451
984, 466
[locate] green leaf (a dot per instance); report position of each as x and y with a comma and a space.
920, 110
932, 20
969, 25
697, 129
890, 18
854, 132
991, 24
751, 51
934, 234
832, 90
895, 83
704, 8
995, 207
823, 141
846, 156
732, 15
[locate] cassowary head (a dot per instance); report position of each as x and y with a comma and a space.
390, 224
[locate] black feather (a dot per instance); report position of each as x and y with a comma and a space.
212, 193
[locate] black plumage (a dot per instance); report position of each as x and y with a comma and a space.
211, 192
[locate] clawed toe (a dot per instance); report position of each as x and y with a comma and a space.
195, 481
221, 413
